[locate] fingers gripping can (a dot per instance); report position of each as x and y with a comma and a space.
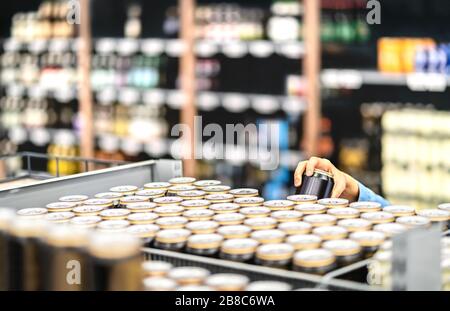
320, 184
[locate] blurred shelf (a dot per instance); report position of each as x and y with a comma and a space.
171, 47
355, 79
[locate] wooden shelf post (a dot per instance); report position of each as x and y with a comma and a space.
311, 71
187, 79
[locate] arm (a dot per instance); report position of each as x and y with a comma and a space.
365, 194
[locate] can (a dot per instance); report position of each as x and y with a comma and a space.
172, 222
261, 223
87, 210
200, 184
355, 224
116, 225
240, 250
66, 248
314, 261
171, 239
114, 213
334, 202
221, 208
249, 202
255, 211
270, 236
311, 208
60, 206
188, 275
229, 219
327, 233
115, 196
125, 189
168, 210
302, 199
115, 262
370, 241
268, 286
346, 251
390, 229
162, 186
220, 198
287, 216
227, 282
145, 232
244, 192
320, 184
320, 220
304, 241
141, 207
234, 232
279, 205
204, 244
182, 180
202, 227
295, 227
132, 199
32, 212
344, 212
153, 268
59, 217
195, 204
157, 283
198, 214
142, 218
276, 255
175, 190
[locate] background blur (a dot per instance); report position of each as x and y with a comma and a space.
384, 88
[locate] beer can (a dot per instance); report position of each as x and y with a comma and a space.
320, 184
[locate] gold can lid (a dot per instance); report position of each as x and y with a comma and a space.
250, 201
378, 217
364, 206
113, 245
444, 206
59, 216
311, 208
133, 199
216, 189
314, 258
172, 222
268, 236
275, 251
141, 207
32, 212
124, 189
151, 193
344, 212
157, 185
390, 229
114, 213
268, 286
355, 224
181, 188
27, 227
201, 226
77, 198
227, 281
344, 247
168, 200
220, 198
66, 236
169, 210
279, 204
99, 202
224, 207
182, 180
295, 227
157, 283
330, 232
113, 225
322, 172
400, 210
195, 204
204, 241
143, 231
239, 246
255, 211
192, 195
244, 192
235, 231
287, 216
198, 214
320, 219
172, 235
156, 268
60, 206
302, 198
413, 221
136, 218
206, 183
85, 221
229, 218
6, 217
434, 214
368, 238
261, 223
304, 241
333, 202
188, 275
108, 195
88, 210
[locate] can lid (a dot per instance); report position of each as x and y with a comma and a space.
301, 198
74, 198
88, 209
140, 206
58, 206
124, 188
234, 231
136, 217
378, 217
400, 210
153, 267
314, 258
198, 214
322, 172
277, 251
366, 206
216, 189
32, 212
168, 200
151, 193
287, 215
312, 208
224, 207
229, 217
434, 214
261, 222
227, 281
294, 227
102, 202
181, 188
172, 235
207, 183
219, 197
253, 211
143, 231
187, 274
168, 209
202, 225
266, 286
115, 212
108, 195
172, 221
6, 217
157, 185
333, 202
268, 236
59, 216
207, 240
368, 238
192, 194
133, 199
250, 201
27, 227
85, 220
195, 203
182, 180
330, 232
390, 229
413, 221
156, 283
239, 192
113, 225
344, 212
344, 247
239, 246
304, 239
279, 204
320, 219
355, 223
444, 206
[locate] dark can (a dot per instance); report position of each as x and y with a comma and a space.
320, 184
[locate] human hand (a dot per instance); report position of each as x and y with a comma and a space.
345, 186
